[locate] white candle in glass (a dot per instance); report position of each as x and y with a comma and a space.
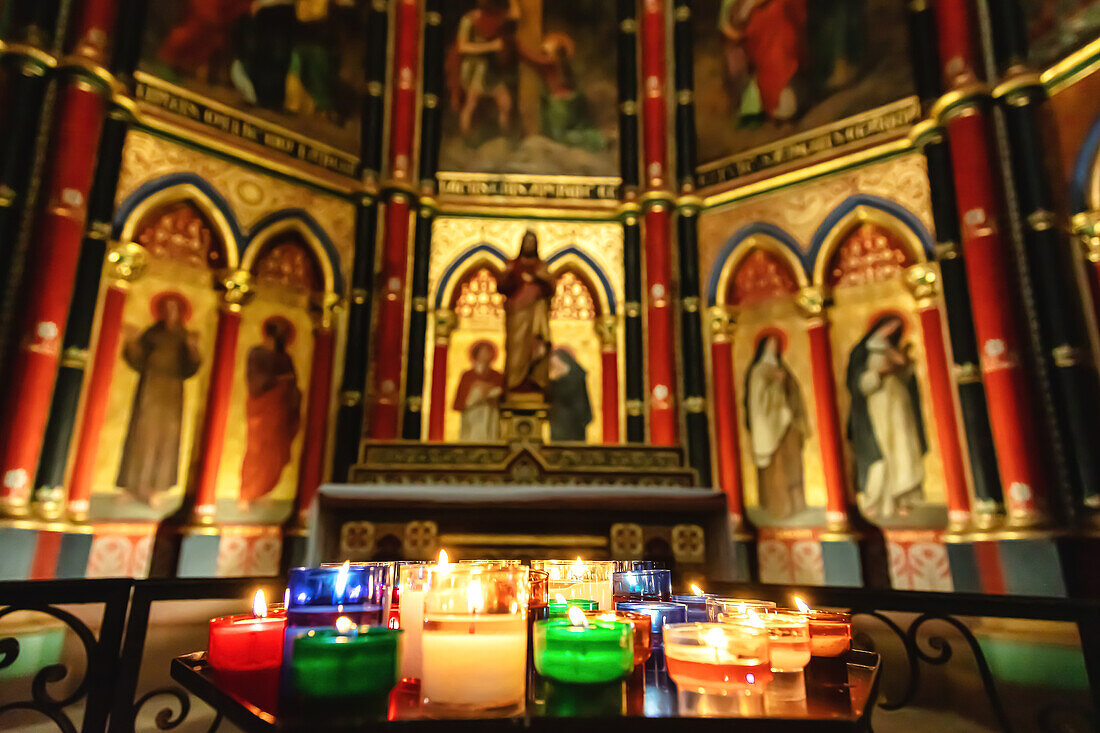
474, 661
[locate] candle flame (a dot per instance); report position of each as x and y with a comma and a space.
344, 624
577, 568
443, 565
341, 582
577, 617
715, 637
696, 590
474, 597
754, 617
560, 598
555, 574
801, 605
259, 604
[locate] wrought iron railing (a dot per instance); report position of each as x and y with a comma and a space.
108, 687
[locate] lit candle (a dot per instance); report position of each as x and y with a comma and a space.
248, 641
696, 603
641, 585
590, 579
789, 640
475, 641
660, 612
581, 651
560, 606
318, 596
735, 609
713, 658
641, 624
830, 631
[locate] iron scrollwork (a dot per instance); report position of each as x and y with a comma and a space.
166, 718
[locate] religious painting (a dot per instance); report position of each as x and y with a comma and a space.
529, 88
163, 355
773, 393
894, 463
296, 63
478, 396
258, 475
157, 394
767, 72
1056, 28
523, 309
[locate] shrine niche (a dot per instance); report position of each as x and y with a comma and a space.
759, 341
154, 345
282, 374
885, 307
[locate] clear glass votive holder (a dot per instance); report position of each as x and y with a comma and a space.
718, 658
734, 609
789, 644
641, 585
412, 581
474, 643
580, 579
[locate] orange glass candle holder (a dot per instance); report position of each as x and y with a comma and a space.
643, 630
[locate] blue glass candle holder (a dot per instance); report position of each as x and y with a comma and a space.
641, 585
626, 566
696, 606
662, 612
317, 597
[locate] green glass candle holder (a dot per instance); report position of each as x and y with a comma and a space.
601, 652
559, 609
329, 665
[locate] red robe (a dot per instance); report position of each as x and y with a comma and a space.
201, 33
272, 416
775, 43
469, 379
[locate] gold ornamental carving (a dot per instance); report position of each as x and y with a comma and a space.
127, 262
445, 322
721, 321
626, 541
688, 543
1086, 226
811, 301
923, 282
357, 540
607, 328
421, 540
238, 290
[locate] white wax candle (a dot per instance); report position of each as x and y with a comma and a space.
789, 657
474, 661
412, 623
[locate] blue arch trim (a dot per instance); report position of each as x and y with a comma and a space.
604, 282
322, 236
147, 189
1082, 167
740, 236
895, 210
458, 262
487, 248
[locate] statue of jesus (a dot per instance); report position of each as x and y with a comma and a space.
528, 287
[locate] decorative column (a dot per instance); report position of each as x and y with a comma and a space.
390, 344
607, 328
349, 414
1013, 415
726, 437
311, 472
444, 326
811, 302
127, 263
48, 285
223, 362
660, 352
922, 282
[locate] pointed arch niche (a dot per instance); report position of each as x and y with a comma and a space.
776, 471
470, 311
872, 260
152, 354
273, 450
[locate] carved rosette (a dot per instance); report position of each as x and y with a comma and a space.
357, 540
626, 541
421, 540
688, 543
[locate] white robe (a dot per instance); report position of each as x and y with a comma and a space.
481, 417
900, 470
769, 414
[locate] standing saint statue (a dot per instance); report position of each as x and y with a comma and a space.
528, 287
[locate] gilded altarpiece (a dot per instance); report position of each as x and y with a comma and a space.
467, 254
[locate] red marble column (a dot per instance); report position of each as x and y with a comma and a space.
212, 439
388, 348
94, 29
726, 438
438, 414
661, 347
96, 395
825, 411
48, 283
609, 372
311, 473
1012, 413
944, 410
